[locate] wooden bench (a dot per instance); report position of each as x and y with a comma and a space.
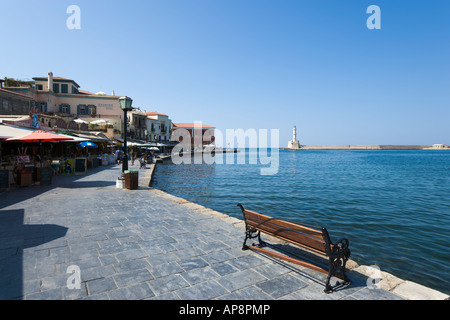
317, 241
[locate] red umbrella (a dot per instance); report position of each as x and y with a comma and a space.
40, 136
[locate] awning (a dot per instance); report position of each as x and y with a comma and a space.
91, 137
7, 131
75, 139
134, 144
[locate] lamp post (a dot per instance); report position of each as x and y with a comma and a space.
125, 105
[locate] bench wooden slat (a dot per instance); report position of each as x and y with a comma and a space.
304, 236
258, 216
292, 236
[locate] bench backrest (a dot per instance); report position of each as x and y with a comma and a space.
285, 230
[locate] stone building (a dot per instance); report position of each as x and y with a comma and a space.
57, 96
13, 103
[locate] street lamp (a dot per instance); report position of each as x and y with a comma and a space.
125, 105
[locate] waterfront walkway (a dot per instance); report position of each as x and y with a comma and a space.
138, 244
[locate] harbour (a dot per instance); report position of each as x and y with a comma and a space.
229, 155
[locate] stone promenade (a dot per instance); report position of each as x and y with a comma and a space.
138, 244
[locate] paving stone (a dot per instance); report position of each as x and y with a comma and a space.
137, 292
75, 294
217, 256
97, 273
248, 293
223, 268
12, 291
315, 291
188, 253
101, 285
192, 263
281, 285
117, 247
32, 286
199, 275
57, 281
166, 296
169, 283
129, 265
109, 259
81, 254
375, 294
85, 264
165, 269
241, 279
158, 259
131, 255
132, 277
271, 270
202, 291
55, 294
247, 262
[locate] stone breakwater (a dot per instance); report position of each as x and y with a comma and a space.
364, 147
406, 289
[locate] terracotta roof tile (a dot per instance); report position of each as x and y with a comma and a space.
191, 125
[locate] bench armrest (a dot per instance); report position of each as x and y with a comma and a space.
341, 248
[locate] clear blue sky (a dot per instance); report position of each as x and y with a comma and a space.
252, 63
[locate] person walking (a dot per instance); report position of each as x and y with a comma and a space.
118, 155
132, 157
151, 156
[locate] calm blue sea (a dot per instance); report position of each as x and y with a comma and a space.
393, 206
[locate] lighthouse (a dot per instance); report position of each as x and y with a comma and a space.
294, 144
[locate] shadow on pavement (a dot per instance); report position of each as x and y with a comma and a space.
19, 194
15, 237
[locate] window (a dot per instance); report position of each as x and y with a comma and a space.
74, 90
56, 88
24, 107
64, 108
64, 88
43, 106
39, 87
5, 105
82, 109
92, 110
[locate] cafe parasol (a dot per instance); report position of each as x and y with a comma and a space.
39, 136
87, 144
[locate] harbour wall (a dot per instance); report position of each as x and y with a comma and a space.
364, 147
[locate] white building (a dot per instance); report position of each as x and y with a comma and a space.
137, 125
159, 127
440, 146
